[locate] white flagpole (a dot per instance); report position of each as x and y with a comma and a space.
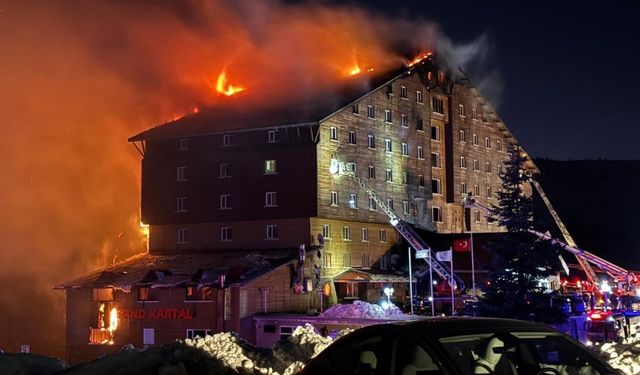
453, 306
433, 300
473, 270
410, 282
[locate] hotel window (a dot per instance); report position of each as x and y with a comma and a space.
225, 201
475, 139
271, 136
387, 116
355, 108
388, 175
436, 214
184, 144
499, 145
365, 261
371, 113
194, 293
405, 177
346, 233
489, 192
476, 190
272, 232
474, 113
181, 174
365, 234
102, 294
476, 216
147, 294
333, 133
420, 152
383, 235
353, 200
461, 112
226, 140
390, 203
352, 138
346, 260
334, 198
418, 96
225, 170
436, 186
181, 204
387, 145
403, 92
435, 133
405, 207
192, 333
326, 260
271, 199
463, 188
463, 162
420, 125
487, 166
371, 141
183, 236
371, 172
372, 204
270, 167
476, 165
437, 105
435, 160
405, 149
499, 168
404, 121
225, 234
420, 180
389, 89
462, 136
326, 230
487, 142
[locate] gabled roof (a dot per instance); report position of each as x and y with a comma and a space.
201, 269
238, 115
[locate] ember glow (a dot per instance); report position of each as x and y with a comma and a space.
224, 87
113, 320
421, 56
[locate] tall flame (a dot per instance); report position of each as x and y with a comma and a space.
113, 320
224, 87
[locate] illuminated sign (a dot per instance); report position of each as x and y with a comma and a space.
155, 314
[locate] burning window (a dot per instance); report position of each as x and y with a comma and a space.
147, 294
105, 324
204, 293
226, 234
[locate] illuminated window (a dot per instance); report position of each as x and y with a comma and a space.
346, 233
181, 174
436, 214
371, 172
226, 234
387, 116
435, 160
271, 199
225, 170
463, 162
405, 149
225, 202
419, 96
194, 293
403, 92
181, 204
436, 186
270, 167
371, 113
184, 144
462, 136
183, 236
334, 198
383, 235
271, 136
461, 112
404, 121
388, 145
371, 141
272, 232
420, 152
353, 200
333, 133
352, 138
226, 140
435, 133
437, 105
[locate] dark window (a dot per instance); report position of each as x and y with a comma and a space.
437, 105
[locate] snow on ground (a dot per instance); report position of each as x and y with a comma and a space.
624, 356
364, 310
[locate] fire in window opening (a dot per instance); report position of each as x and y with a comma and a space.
107, 324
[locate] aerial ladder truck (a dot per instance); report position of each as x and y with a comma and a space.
404, 228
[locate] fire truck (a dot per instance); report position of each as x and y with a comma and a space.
611, 326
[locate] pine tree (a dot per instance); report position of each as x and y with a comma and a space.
520, 259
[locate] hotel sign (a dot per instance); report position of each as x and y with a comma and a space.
155, 314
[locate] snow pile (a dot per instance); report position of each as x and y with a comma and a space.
624, 356
364, 310
226, 347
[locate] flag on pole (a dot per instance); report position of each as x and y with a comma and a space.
463, 244
443, 256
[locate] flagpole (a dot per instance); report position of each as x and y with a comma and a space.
473, 270
433, 300
453, 306
410, 282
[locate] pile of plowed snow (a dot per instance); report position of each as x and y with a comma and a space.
624, 356
364, 310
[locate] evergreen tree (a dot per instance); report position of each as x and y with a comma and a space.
520, 259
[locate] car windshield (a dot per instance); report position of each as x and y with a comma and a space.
520, 353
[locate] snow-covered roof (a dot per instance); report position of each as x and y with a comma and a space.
201, 269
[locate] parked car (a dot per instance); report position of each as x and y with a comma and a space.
458, 345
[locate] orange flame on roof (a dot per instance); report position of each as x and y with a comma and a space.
356, 69
224, 87
421, 56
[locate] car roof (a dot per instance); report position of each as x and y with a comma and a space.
450, 326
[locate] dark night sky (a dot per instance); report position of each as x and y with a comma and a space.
569, 72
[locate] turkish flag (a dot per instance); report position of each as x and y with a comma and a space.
463, 244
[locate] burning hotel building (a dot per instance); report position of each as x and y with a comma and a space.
247, 216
